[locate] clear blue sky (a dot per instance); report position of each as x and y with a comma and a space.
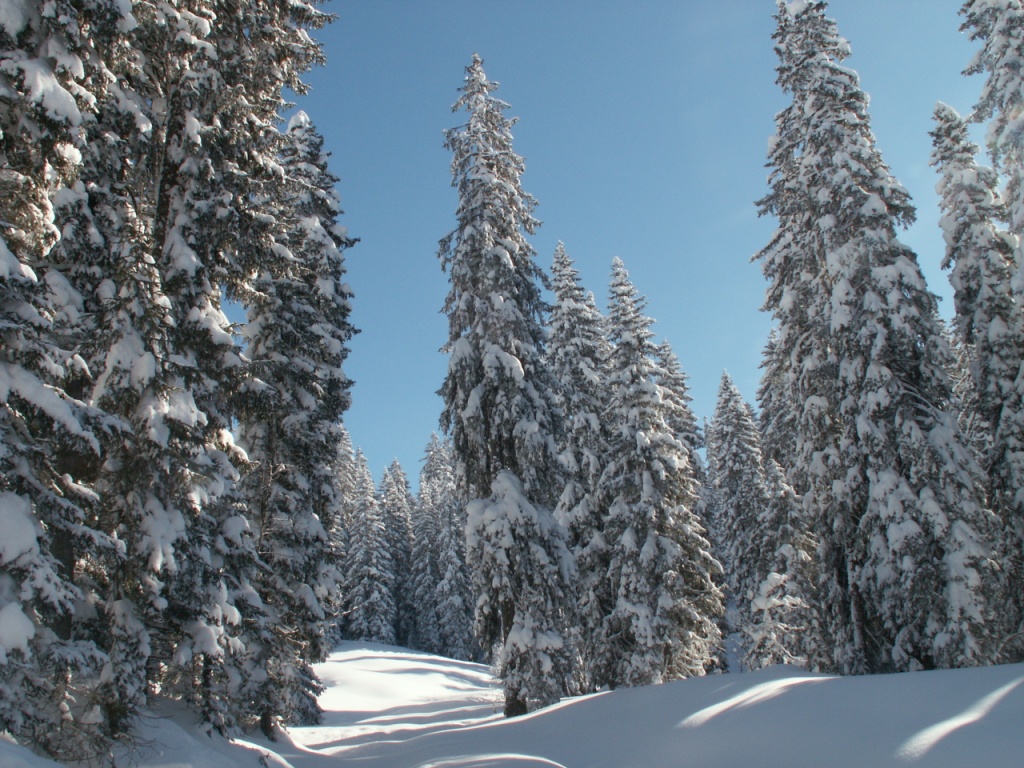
644, 126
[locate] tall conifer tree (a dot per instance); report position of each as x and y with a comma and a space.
297, 332
52, 74
396, 504
369, 570
660, 600
452, 600
982, 252
904, 534
762, 540
577, 350
498, 407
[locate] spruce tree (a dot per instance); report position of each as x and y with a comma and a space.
169, 493
736, 473
169, 198
396, 505
783, 626
498, 408
576, 351
999, 26
988, 255
345, 477
296, 337
675, 383
660, 601
52, 74
452, 600
904, 535
369, 570
424, 578
761, 538
777, 418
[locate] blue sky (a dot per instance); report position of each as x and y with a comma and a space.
644, 126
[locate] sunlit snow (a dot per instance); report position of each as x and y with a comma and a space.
388, 707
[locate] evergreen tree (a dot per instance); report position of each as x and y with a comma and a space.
173, 190
369, 572
999, 26
661, 602
760, 537
167, 115
903, 533
424, 578
345, 476
778, 418
165, 362
452, 600
576, 352
52, 73
396, 505
987, 254
736, 473
498, 408
675, 383
296, 334
783, 625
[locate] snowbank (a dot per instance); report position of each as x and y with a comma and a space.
389, 707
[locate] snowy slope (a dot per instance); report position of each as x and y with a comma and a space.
392, 708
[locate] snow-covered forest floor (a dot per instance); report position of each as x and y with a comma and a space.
388, 707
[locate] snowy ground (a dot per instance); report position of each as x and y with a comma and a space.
392, 708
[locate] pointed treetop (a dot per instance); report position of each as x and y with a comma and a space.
299, 120
796, 7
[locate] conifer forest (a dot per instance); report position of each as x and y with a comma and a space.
183, 513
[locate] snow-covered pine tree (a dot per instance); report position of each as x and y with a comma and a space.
296, 336
661, 601
51, 76
498, 408
683, 423
424, 578
576, 352
161, 353
904, 537
736, 473
345, 477
758, 534
966, 403
452, 600
783, 625
777, 418
675, 383
369, 571
999, 26
396, 504
168, 200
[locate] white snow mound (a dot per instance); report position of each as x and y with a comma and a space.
388, 707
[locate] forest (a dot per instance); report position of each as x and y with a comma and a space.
184, 515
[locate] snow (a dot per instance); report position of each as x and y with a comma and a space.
44, 88
16, 379
14, 17
18, 527
16, 630
13, 756
10, 266
388, 707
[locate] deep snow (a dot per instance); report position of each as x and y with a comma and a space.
388, 707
